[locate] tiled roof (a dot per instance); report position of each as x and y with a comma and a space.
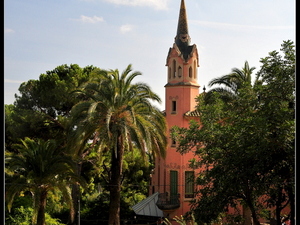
194, 113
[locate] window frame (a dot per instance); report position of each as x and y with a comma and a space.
173, 106
189, 184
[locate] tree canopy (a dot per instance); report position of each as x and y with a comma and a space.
247, 145
90, 112
119, 116
39, 167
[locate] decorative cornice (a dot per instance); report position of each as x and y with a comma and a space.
182, 84
175, 166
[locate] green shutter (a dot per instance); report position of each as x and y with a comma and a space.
174, 183
189, 184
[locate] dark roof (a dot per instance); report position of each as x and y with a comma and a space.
182, 38
182, 27
148, 207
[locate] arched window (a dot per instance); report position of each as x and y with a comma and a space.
174, 68
190, 72
195, 70
179, 71
173, 107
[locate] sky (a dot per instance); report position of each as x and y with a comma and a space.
40, 35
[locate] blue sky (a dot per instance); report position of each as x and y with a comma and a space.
40, 35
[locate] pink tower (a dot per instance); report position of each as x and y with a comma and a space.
173, 177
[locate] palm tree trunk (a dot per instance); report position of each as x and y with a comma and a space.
115, 185
74, 212
73, 216
41, 208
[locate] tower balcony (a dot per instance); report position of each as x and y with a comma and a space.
168, 202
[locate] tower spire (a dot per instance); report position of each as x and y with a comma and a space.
182, 38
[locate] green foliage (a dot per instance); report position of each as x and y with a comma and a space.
135, 183
42, 109
114, 104
97, 209
118, 116
56, 202
52, 221
136, 173
181, 220
39, 167
51, 94
277, 97
20, 216
21, 212
229, 85
23, 216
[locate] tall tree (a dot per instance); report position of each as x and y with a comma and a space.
42, 110
229, 84
43, 102
50, 94
39, 167
277, 105
119, 115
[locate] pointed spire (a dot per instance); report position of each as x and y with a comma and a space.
182, 38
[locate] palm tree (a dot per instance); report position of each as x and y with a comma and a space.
119, 116
230, 84
39, 167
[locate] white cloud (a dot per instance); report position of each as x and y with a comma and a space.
157, 4
88, 19
126, 28
13, 81
8, 30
